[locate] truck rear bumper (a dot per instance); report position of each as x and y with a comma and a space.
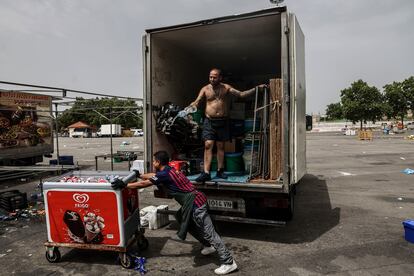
275, 223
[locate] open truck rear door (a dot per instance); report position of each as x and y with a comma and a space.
297, 100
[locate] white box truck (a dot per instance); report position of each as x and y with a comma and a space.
105, 130
254, 47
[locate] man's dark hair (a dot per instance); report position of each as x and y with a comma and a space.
162, 157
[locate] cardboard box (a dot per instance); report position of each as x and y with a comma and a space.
234, 145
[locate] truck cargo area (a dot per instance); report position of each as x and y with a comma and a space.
248, 50
266, 155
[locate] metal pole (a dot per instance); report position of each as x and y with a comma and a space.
265, 152
57, 134
253, 135
112, 151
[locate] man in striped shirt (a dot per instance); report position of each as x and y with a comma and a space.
193, 216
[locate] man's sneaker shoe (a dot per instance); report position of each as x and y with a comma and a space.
221, 174
226, 268
208, 250
203, 177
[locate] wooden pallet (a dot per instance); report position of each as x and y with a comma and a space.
365, 135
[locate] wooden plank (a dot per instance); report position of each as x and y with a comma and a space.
276, 131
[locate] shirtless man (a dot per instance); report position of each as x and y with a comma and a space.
216, 127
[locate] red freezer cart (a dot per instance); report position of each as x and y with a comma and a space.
83, 211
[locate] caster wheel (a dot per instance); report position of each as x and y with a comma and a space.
142, 244
53, 255
125, 260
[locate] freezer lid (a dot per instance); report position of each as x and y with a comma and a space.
76, 186
54, 183
298, 100
263, 12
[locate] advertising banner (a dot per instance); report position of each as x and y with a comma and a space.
25, 121
83, 217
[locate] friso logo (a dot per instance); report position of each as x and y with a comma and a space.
81, 200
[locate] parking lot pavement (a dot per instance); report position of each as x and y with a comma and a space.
349, 209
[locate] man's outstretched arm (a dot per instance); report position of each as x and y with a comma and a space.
244, 94
199, 98
140, 184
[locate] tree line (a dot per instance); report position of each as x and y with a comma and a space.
361, 102
99, 111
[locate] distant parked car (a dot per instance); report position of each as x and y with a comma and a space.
410, 126
138, 133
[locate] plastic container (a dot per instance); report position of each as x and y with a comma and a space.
234, 162
63, 160
248, 147
248, 125
247, 159
117, 159
214, 164
409, 230
197, 116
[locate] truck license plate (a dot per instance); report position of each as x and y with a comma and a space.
220, 204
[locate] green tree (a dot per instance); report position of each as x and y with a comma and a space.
408, 88
97, 111
362, 102
396, 100
334, 111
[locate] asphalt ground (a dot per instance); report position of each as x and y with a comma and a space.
349, 210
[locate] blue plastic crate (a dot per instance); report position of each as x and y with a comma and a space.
409, 230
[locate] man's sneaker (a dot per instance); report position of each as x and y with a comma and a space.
221, 174
208, 250
203, 177
226, 268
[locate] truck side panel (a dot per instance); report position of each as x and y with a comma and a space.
298, 96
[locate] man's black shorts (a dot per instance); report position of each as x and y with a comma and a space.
217, 129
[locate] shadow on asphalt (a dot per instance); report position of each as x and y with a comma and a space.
313, 217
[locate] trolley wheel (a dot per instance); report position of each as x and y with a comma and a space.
126, 260
142, 244
53, 255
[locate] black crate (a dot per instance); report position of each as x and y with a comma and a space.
12, 200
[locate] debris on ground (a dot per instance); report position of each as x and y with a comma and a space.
24, 214
125, 143
151, 218
408, 171
139, 265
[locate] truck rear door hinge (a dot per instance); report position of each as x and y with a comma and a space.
146, 49
286, 30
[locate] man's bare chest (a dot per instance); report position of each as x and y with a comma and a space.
216, 94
